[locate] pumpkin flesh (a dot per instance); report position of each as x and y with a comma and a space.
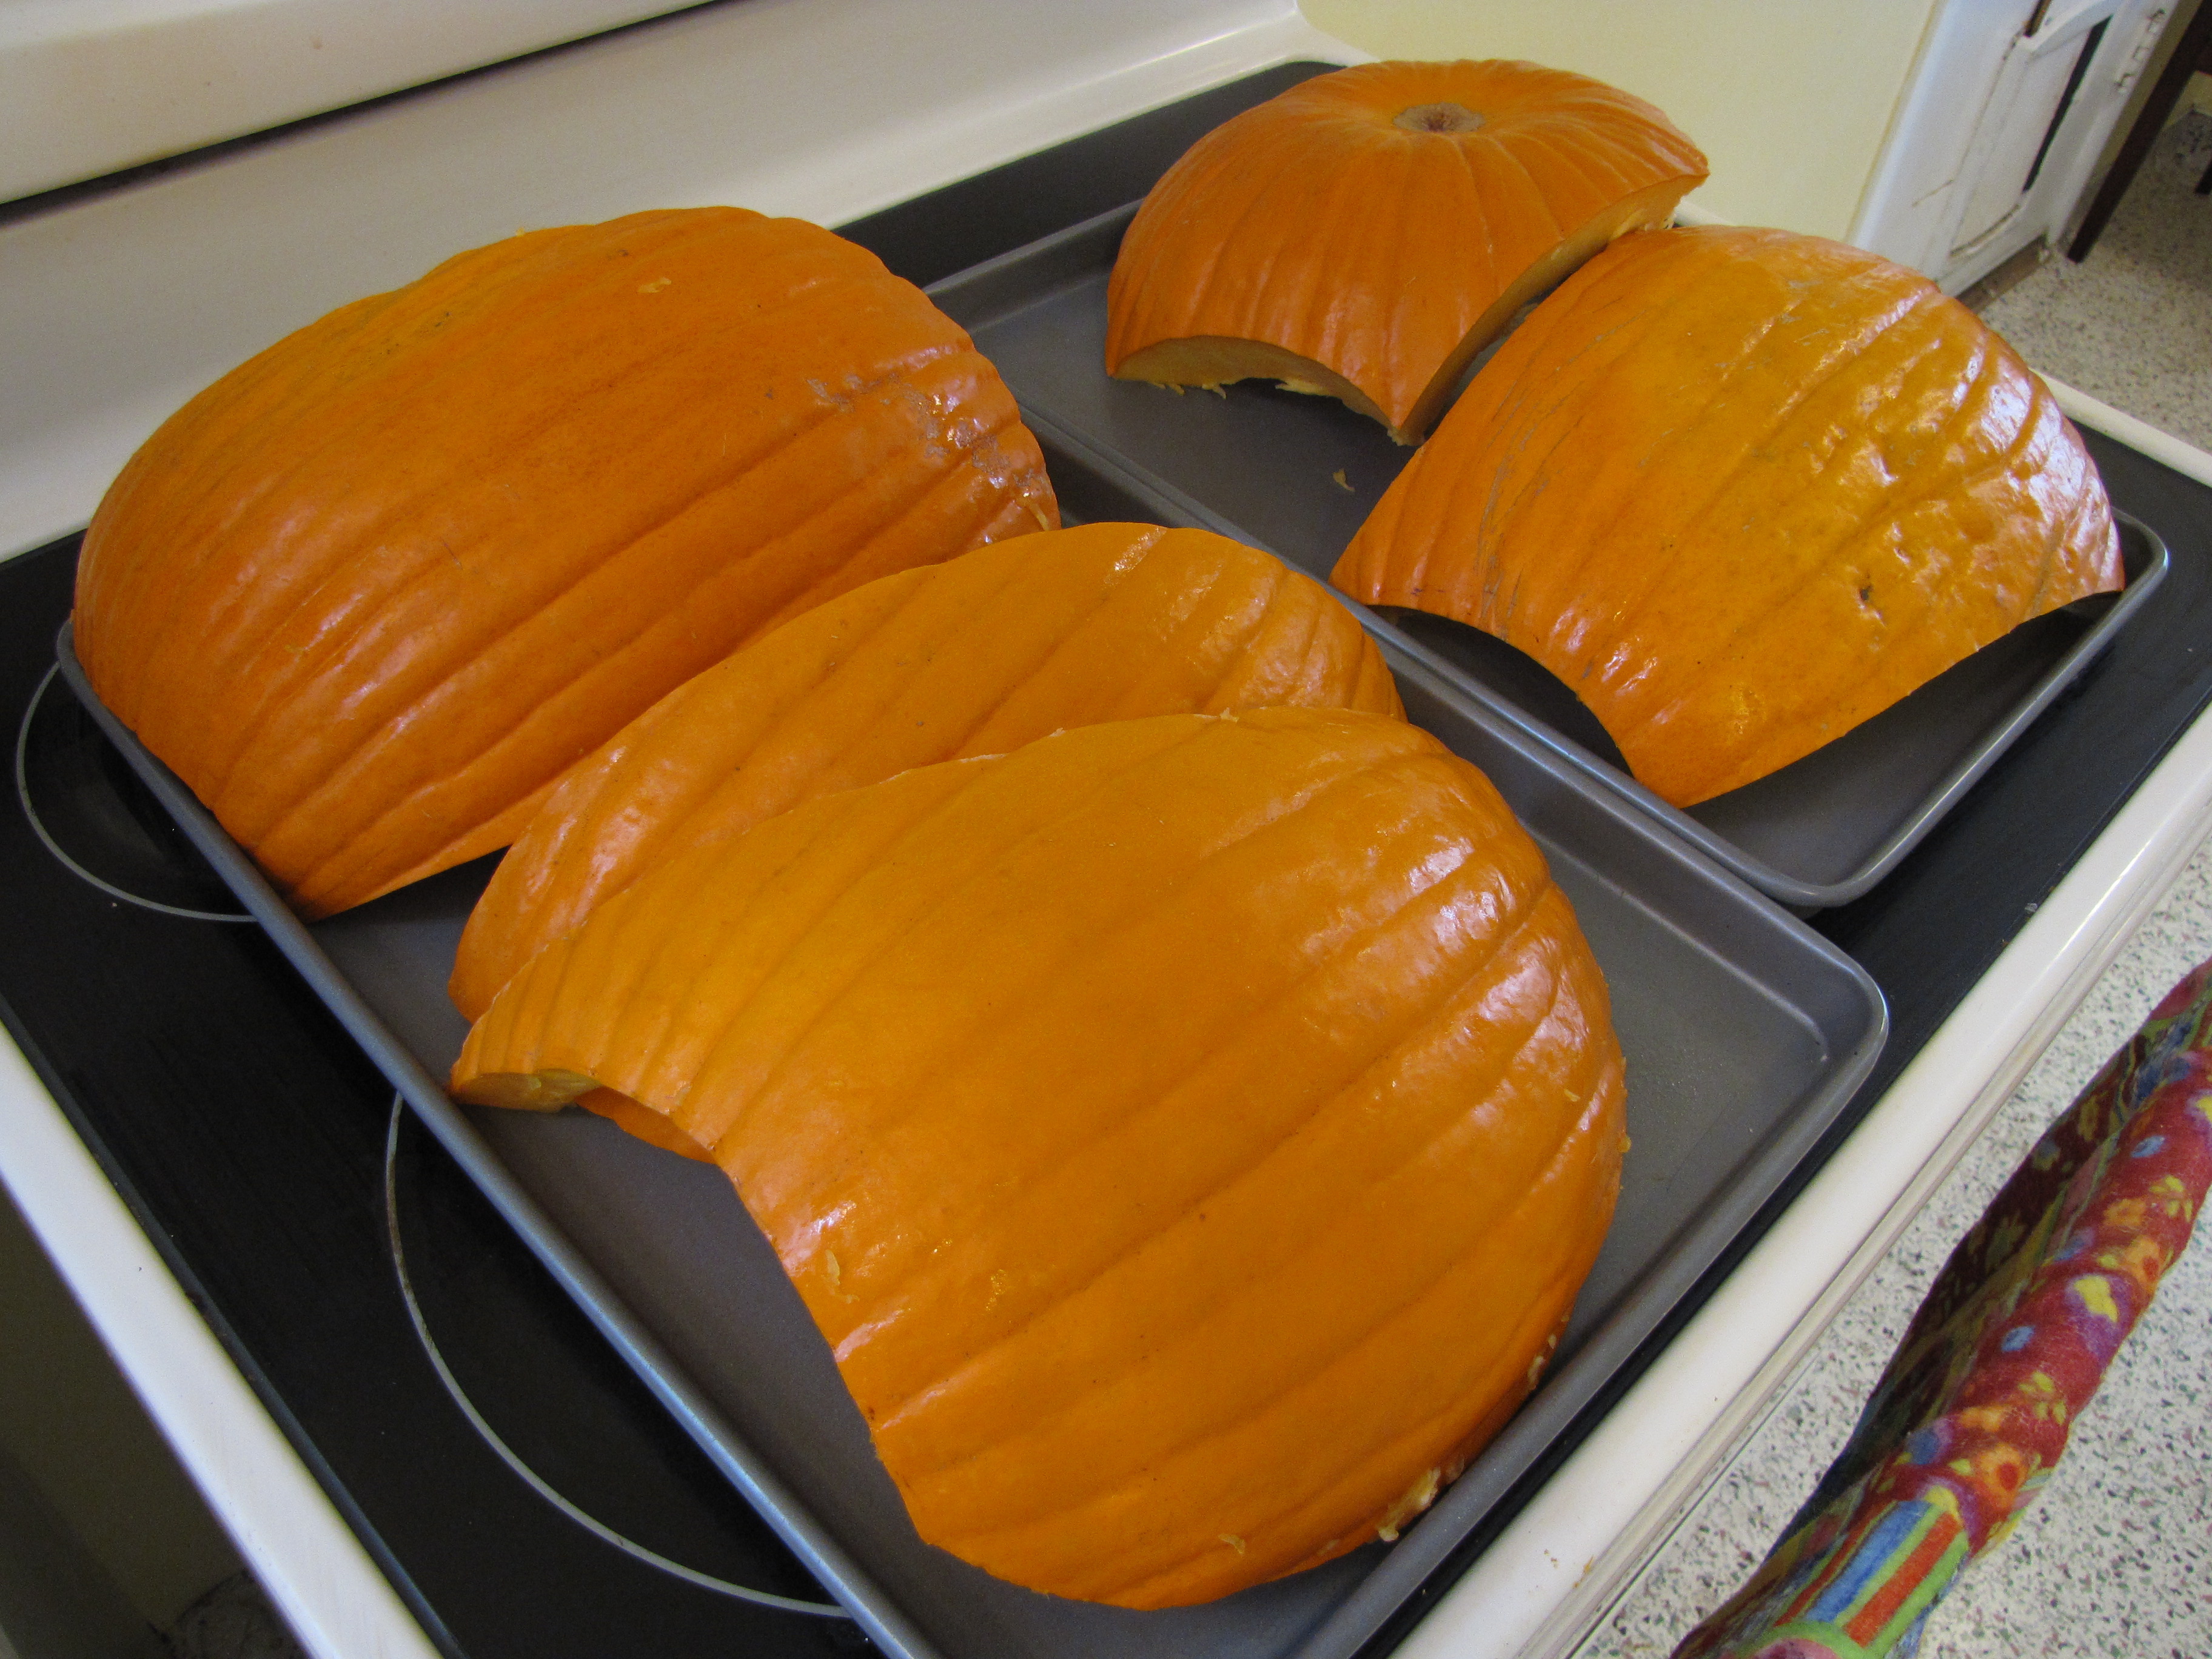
1142, 1319
1740, 490
1365, 233
372, 593
976, 656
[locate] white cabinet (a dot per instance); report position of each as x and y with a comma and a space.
2007, 112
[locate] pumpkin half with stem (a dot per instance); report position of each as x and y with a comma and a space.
976, 656
373, 592
1742, 490
1365, 233
1188, 1134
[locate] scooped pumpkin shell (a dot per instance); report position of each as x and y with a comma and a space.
1365, 233
1188, 1134
372, 592
1742, 490
976, 656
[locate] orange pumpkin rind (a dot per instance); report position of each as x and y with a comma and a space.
1188, 1134
1740, 490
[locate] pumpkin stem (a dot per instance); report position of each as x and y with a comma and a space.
1438, 118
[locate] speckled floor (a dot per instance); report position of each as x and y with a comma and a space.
2115, 1559
2132, 324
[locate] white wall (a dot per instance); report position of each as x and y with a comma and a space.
1790, 100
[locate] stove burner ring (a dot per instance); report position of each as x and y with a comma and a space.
46, 838
506, 1454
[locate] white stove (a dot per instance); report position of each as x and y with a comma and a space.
117, 303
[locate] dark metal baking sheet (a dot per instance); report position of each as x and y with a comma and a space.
1299, 475
1745, 1034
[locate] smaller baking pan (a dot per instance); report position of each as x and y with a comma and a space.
1299, 475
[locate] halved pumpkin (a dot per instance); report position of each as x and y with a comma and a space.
1188, 1134
375, 591
976, 656
1365, 233
1740, 490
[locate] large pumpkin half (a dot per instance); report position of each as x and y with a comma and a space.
1365, 233
1740, 490
1189, 1133
976, 656
372, 592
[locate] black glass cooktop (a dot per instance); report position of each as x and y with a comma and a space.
523, 1492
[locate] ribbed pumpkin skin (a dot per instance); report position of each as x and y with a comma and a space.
374, 590
1384, 255
1740, 490
1189, 1133
976, 656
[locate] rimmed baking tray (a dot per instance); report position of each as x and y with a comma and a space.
1299, 475
1745, 1033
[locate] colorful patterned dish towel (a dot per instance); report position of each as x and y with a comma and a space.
1970, 1418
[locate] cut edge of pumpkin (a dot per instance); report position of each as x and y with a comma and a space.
551, 1090
548, 1091
1649, 208
1211, 362
634, 1117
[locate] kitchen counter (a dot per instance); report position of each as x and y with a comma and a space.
115, 305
